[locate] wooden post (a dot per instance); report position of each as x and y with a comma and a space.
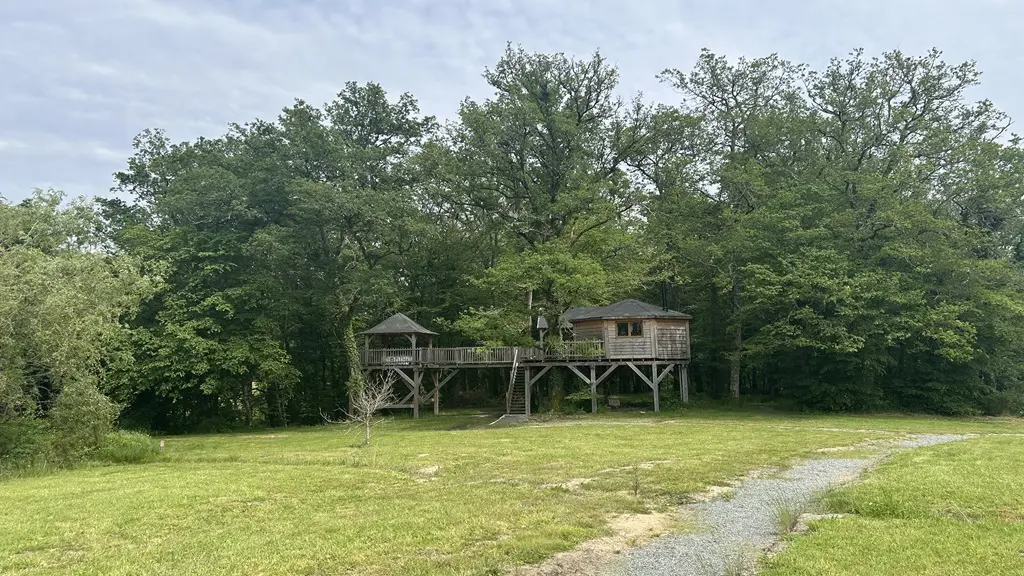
417, 378
529, 384
437, 392
684, 384
657, 385
593, 389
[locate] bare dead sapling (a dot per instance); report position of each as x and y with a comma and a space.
373, 396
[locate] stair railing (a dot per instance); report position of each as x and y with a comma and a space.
512, 381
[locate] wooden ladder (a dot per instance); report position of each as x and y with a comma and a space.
515, 399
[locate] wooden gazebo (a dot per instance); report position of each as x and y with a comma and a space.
405, 362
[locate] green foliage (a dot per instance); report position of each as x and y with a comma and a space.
847, 238
23, 443
125, 447
63, 300
79, 422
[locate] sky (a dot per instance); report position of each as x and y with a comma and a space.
80, 78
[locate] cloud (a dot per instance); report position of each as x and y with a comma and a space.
82, 78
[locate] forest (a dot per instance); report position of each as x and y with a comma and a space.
848, 238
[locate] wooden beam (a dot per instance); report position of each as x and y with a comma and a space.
606, 374
593, 389
437, 396
542, 372
578, 373
417, 376
665, 373
684, 383
655, 388
438, 385
406, 400
526, 391
641, 374
405, 377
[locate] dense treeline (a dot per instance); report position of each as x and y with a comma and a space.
848, 238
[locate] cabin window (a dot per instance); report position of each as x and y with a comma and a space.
636, 329
625, 329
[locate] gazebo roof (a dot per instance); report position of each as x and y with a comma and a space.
399, 324
625, 309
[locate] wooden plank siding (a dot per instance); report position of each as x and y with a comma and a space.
589, 330
628, 346
673, 339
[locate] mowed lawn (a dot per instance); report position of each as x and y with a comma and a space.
442, 495
951, 510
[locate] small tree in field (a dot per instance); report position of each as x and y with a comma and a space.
370, 398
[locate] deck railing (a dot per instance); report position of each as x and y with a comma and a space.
577, 350
478, 355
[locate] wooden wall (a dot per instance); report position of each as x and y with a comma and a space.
589, 330
673, 337
662, 338
616, 346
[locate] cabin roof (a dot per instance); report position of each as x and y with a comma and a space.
622, 309
398, 324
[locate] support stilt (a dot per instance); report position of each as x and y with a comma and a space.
437, 391
684, 383
417, 378
529, 386
593, 389
656, 387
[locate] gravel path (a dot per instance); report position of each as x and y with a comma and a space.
738, 529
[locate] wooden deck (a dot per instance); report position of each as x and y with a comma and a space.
577, 352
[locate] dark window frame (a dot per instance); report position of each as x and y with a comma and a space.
633, 329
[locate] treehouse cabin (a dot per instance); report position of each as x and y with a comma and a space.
632, 330
649, 340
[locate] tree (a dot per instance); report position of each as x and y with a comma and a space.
63, 303
368, 400
542, 166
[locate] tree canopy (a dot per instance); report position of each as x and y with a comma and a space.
847, 238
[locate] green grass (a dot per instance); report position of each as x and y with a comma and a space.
953, 509
446, 495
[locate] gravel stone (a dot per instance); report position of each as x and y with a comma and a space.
736, 531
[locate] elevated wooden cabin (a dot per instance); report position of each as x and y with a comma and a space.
632, 330
649, 340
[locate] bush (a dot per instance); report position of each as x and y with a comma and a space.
124, 447
24, 442
1004, 403
80, 420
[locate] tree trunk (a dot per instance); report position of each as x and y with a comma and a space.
247, 401
557, 379
351, 350
735, 359
529, 312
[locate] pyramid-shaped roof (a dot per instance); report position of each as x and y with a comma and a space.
398, 324
624, 309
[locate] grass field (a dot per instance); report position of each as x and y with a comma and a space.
446, 495
955, 509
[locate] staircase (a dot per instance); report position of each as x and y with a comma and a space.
515, 399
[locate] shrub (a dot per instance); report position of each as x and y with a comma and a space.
24, 442
80, 420
1004, 403
124, 447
